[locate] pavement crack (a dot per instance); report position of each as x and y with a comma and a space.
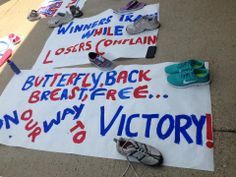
225, 130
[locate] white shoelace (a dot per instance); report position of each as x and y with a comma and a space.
129, 164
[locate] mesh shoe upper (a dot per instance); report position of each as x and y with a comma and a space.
142, 24
144, 153
60, 19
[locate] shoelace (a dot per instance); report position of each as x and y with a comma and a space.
188, 75
184, 65
101, 59
129, 163
140, 19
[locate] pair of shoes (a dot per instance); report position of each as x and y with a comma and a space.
143, 24
60, 19
144, 153
33, 15
132, 6
100, 61
15, 39
188, 73
75, 11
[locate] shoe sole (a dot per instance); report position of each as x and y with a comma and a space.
143, 30
33, 18
190, 85
58, 24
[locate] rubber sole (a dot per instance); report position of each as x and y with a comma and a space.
190, 85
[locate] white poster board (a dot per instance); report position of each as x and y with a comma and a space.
74, 110
104, 33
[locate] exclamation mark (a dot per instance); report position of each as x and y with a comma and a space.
209, 142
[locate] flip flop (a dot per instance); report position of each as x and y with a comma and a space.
76, 12
15, 39
132, 6
6, 56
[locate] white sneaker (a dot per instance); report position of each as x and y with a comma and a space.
143, 24
60, 19
145, 154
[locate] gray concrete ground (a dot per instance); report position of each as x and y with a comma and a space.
190, 28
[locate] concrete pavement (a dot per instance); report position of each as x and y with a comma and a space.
190, 28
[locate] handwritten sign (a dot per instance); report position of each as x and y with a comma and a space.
104, 33
74, 110
50, 7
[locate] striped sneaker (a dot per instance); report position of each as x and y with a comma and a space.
100, 61
144, 153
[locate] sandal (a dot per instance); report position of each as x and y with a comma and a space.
76, 12
15, 39
34, 15
132, 6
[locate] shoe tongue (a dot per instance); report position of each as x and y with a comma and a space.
185, 65
100, 58
189, 75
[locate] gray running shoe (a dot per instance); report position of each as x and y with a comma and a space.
143, 24
60, 19
33, 15
145, 154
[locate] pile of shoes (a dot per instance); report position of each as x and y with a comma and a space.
144, 23
187, 73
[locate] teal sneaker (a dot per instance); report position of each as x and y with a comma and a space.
184, 66
194, 77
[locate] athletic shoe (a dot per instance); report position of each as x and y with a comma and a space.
144, 153
33, 15
59, 19
75, 11
132, 6
100, 61
184, 66
193, 77
142, 24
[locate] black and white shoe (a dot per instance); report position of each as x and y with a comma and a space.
100, 61
144, 153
